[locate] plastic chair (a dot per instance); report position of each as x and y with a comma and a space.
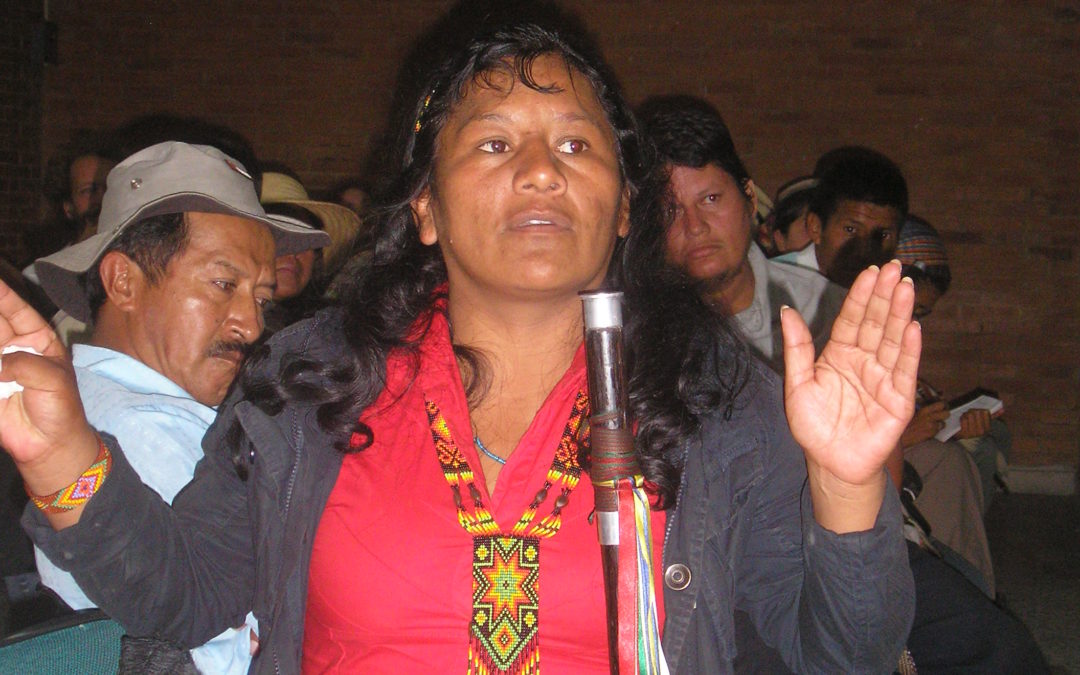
84, 642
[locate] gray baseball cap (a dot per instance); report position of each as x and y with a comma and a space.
170, 177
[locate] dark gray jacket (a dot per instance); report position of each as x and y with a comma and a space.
741, 543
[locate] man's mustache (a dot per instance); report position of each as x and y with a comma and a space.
223, 348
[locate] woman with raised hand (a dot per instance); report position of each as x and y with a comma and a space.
357, 473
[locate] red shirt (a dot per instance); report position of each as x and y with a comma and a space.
390, 587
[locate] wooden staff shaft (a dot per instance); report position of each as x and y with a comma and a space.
612, 443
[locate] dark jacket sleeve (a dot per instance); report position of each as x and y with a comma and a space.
184, 573
828, 603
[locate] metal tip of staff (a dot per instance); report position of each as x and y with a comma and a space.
602, 309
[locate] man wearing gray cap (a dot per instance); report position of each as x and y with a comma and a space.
174, 284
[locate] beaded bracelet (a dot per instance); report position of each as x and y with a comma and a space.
84, 487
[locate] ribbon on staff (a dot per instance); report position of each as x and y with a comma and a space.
639, 634
622, 506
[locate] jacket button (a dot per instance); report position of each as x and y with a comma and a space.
677, 577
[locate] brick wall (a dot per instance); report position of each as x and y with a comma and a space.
977, 101
20, 124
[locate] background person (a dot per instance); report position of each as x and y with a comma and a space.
789, 230
304, 276
711, 236
352, 193
985, 437
74, 185
855, 212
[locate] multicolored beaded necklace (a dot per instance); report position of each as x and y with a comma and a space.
504, 630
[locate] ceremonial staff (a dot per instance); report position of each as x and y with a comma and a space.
622, 507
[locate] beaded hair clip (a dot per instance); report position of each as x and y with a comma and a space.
423, 111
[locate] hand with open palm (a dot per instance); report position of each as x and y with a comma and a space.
849, 408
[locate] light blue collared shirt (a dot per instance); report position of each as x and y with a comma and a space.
804, 257
160, 427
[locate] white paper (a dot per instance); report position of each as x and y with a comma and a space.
9, 389
952, 425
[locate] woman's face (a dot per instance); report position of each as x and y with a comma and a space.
526, 197
713, 223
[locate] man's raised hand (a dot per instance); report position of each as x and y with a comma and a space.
42, 427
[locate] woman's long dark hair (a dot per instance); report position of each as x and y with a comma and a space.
677, 368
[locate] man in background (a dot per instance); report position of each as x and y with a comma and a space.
74, 186
174, 285
855, 212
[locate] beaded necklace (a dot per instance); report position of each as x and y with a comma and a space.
501, 461
504, 629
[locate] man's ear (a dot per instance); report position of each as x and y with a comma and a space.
751, 194
425, 221
814, 227
778, 240
122, 279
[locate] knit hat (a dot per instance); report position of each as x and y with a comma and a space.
170, 177
922, 252
919, 245
340, 222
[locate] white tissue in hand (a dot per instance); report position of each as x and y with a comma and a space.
7, 389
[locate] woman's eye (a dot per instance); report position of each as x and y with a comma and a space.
849, 229
572, 146
226, 286
712, 199
494, 146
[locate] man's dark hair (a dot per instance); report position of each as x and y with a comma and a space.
151, 243
690, 132
857, 174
